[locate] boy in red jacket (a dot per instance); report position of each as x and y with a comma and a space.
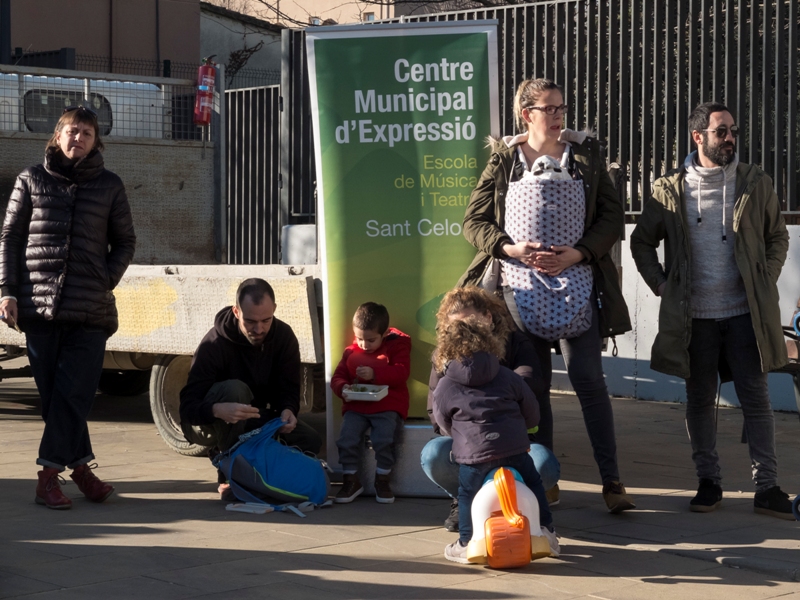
379, 355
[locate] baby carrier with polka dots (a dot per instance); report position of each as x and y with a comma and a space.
551, 212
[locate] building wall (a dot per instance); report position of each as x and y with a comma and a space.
170, 187
629, 373
300, 12
221, 35
121, 28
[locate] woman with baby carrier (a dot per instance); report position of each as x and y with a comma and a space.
544, 217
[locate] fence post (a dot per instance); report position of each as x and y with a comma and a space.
167, 68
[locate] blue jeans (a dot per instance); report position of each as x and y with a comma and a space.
470, 480
383, 428
66, 360
734, 340
443, 471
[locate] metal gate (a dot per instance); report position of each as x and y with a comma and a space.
255, 215
632, 70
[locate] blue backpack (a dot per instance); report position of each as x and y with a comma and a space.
261, 469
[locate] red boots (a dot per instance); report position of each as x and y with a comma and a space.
48, 490
88, 483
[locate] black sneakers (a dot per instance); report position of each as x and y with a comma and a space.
709, 496
383, 491
350, 490
451, 522
775, 503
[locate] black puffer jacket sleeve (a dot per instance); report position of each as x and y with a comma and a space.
121, 238
14, 235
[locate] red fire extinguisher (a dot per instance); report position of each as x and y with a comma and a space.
204, 102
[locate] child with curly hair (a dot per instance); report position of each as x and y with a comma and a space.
487, 409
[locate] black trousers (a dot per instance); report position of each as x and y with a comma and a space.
66, 360
223, 435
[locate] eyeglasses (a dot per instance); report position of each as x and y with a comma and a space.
722, 131
550, 109
80, 108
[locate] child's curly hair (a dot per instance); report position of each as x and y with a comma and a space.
462, 338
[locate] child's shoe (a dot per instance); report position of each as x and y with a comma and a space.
456, 553
552, 540
383, 493
351, 489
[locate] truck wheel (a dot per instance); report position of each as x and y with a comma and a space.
169, 376
124, 383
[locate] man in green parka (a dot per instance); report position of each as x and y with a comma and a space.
725, 242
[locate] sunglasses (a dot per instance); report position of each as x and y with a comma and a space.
550, 109
722, 131
80, 108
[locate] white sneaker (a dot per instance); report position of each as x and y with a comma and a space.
552, 540
457, 553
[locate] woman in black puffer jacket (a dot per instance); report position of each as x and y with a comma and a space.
65, 244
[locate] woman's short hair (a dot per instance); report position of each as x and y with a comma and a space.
71, 117
474, 298
527, 94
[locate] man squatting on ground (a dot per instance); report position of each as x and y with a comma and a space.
725, 244
244, 373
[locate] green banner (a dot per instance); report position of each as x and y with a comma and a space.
401, 114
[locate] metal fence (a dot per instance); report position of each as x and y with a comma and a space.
298, 167
242, 78
33, 99
255, 216
632, 70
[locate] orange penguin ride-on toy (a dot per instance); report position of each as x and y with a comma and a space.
505, 517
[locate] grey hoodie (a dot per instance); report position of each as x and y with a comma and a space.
486, 408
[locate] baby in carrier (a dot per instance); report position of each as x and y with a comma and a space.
487, 409
546, 205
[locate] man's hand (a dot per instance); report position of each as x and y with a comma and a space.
365, 373
660, 289
559, 258
8, 311
233, 412
287, 416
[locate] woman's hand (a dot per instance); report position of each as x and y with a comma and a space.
523, 251
559, 258
8, 311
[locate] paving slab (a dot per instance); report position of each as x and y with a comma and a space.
165, 534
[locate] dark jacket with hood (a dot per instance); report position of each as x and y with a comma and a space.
66, 241
520, 357
271, 370
486, 408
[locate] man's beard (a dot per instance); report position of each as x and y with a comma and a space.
718, 154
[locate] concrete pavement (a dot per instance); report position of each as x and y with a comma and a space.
165, 535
